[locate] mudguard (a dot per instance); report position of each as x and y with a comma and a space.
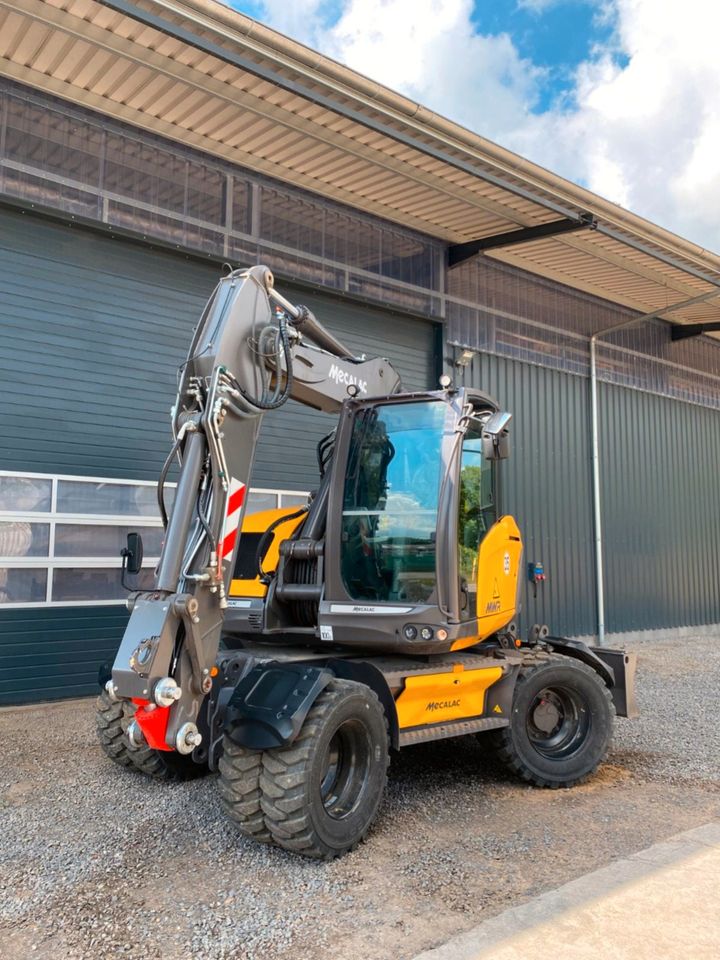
269, 705
616, 667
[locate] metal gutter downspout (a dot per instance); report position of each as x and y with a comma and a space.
595, 443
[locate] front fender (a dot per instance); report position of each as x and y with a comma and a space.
269, 705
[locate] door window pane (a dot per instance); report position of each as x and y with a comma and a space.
82, 584
390, 504
111, 499
22, 585
477, 513
25, 494
96, 540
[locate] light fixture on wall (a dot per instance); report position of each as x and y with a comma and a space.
465, 358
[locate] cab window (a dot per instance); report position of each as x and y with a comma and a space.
477, 513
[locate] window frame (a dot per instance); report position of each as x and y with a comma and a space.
53, 518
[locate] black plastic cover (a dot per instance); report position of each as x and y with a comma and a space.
269, 705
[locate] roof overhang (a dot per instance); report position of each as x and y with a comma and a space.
202, 74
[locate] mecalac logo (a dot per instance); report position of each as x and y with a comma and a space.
442, 704
342, 376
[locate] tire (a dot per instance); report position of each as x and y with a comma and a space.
320, 795
113, 719
561, 724
239, 786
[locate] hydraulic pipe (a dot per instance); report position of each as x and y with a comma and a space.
306, 322
176, 535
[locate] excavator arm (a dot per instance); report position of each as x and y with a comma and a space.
252, 351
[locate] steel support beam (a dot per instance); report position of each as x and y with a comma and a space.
681, 331
459, 252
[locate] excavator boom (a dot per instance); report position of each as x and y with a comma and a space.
252, 351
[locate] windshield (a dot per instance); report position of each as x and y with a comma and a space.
390, 502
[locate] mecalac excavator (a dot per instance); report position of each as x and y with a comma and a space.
292, 649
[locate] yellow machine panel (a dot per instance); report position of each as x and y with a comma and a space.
441, 697
258, 523
499, 559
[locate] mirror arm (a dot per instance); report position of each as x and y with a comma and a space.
125, 553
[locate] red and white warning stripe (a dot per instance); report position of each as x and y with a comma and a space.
232, 520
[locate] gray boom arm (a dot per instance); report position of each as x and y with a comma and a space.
246, 357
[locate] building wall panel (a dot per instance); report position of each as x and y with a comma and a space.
546, 485
661, 508
95, 329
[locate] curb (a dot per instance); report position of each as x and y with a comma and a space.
487, 938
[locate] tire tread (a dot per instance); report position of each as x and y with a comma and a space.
284, 778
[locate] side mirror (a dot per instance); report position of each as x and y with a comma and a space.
495, 436
133, 554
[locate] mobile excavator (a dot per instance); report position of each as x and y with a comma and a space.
291, 650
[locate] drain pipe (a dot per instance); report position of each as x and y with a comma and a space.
595, 443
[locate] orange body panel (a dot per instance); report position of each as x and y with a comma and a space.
259, 523
498, 569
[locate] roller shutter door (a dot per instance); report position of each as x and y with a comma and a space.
93, 329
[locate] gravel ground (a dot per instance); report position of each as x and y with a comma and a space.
97, 862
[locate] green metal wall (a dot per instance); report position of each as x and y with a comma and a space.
93, 329
53, 652
546, 485
661, 509
660, 499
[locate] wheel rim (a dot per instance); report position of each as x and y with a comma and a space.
558, 722
345, 769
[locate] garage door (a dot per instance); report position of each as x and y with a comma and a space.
94, 330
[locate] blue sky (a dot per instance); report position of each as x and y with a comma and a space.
617, 95
558, 38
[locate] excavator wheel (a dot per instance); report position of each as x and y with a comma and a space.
561, 723
239, 786
113, 719
320, 794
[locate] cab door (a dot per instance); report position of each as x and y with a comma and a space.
489, 547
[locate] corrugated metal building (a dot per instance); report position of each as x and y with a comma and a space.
145, 142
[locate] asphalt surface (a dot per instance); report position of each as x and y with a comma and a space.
99, 862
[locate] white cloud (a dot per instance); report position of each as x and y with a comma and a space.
645, 134
429, 50
537, 6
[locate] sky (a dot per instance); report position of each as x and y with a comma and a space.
620, 96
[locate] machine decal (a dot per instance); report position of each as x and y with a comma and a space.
442, 705
232, 520
362, 608
339, 375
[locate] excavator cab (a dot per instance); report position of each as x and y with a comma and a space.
405, 549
